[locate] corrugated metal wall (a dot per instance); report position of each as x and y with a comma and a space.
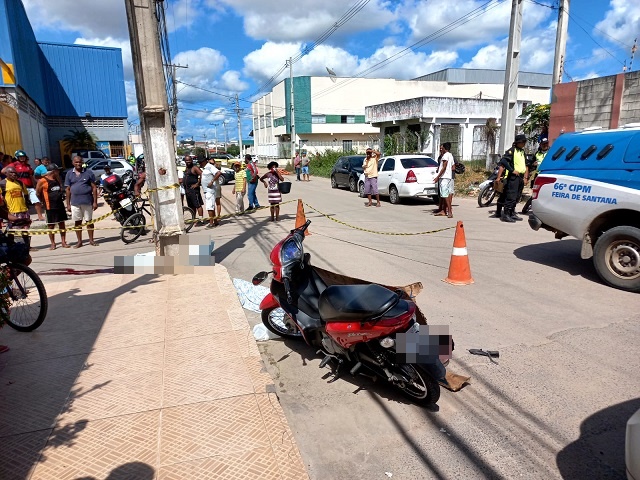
81, 79
26, 53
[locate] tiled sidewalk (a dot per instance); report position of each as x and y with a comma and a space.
141, 377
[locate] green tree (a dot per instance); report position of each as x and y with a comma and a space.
537, 120
80, 139
233, 150
199, 153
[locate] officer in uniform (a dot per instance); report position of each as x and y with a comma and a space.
543, 148
513, 166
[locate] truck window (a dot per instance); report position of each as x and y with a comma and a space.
587, 153
604, 152
572, 153
559, 153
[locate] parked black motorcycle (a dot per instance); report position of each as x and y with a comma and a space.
127, 209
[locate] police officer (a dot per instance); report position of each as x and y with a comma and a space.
132, 160
543, 148
514, 166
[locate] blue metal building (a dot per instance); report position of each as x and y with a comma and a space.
56, 88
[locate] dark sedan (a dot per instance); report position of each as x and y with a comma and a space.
346, 172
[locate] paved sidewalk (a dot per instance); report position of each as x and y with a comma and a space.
141, 377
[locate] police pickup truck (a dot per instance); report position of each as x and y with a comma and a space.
589, 187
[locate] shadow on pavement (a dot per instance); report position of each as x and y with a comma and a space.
599, 451
560, 254
38, 378
128, 471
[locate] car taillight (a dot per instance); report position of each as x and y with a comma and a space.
411, 177
121, 196
540, 181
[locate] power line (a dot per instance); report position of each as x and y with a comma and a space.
348, 15
594, 40
602, 32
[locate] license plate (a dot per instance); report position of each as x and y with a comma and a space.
125, 202
430, 191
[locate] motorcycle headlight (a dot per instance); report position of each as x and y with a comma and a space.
290, 252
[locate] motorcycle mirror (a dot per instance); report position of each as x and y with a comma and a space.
259, 278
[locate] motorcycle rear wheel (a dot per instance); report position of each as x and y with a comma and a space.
423, 389
273, 319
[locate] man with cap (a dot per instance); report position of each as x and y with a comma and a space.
543, 148
50, 193
252, 181
107, 173
514, 163
25, 176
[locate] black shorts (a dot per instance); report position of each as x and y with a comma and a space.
194, 198
56, 215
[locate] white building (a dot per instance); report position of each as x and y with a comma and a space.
334, 115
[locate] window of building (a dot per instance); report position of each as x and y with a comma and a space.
347, 145
347, 119
318, 119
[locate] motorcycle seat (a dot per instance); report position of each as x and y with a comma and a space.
346, 303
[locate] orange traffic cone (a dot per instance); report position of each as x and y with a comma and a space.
301, 219
459, 270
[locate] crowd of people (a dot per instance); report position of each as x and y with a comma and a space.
204, 177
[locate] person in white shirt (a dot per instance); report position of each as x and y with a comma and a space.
210, 176
445, 175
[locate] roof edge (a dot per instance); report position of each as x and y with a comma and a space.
80, 45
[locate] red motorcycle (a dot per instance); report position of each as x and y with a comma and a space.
364, 326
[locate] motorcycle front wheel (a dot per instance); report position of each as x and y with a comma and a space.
486, 196
421, 386
276, 322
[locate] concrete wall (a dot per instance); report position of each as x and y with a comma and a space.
607, 102
594, 102
630, 107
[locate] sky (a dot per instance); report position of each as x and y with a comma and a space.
237, 46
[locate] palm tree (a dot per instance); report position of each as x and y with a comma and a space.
80, 139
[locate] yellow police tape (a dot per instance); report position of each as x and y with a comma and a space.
221, 217
17, 231
374, 231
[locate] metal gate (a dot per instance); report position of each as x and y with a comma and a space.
451, 132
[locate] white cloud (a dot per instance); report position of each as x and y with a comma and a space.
622, 21
426, 18
91, 18
230, 80
587, 76
263, 63
537, 51
306, 20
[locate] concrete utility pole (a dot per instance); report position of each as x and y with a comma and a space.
215, 131
238, 112
153, 107
510, 100
174, 99
561, 44
293, 122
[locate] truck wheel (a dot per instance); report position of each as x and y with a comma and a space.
616, 257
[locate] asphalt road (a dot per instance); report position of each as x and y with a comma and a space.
556, 404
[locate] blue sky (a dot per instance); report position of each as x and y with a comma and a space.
236, 46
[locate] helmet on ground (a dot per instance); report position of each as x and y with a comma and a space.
20, 153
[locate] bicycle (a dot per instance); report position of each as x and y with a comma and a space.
27, 295
135, 225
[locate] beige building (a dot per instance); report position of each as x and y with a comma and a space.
334, 115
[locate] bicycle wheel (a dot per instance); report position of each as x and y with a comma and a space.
133, 228
29, 301
189, 218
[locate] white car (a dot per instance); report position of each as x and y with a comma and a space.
632, 447
405, 176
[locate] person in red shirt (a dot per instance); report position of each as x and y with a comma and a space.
25, 175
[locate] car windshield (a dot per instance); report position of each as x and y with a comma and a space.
418, 162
